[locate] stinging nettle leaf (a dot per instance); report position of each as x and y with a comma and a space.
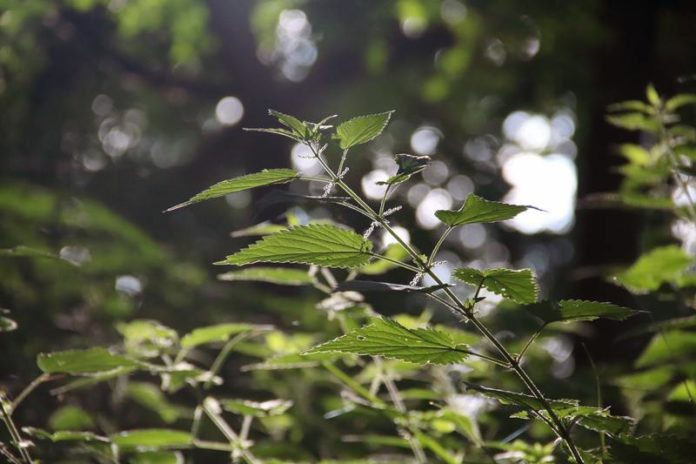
409, 165
387, 338
578, 310
658, 266
273, 275
479, 210
319, 244
255, 408
361, 129
87, 361
249, 181
519, 286
291, 122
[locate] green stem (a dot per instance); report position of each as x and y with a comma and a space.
222, 356
560, 428
353, 385
396, 262
384, 200
14, 433
439, 243
27, 391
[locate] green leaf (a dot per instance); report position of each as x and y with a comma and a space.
478, 210
322, 245
153, 438
680, 100
578, 310
668, 347
255, 408
394, 252
274, 275
151, 397
631, 105
87, 361
218, 333
249, 181
361, 129
634, 121
661, 265
7, 324
292, 361
291, 122
70, 418
522, 399
157, 457
652, 95
387, 338
409, 165
148, 338
517, 285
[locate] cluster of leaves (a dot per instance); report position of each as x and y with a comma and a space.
417, 373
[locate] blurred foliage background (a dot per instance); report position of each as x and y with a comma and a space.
113, 110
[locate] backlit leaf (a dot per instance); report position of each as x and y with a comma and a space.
256, 408
578, 310
387, 338
274, 275
249, 181
87, 361
668, 347
478, 210
517, 285
322, 245
661, 265
361, 129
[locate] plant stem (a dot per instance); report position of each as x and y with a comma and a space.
27, 391
222, 356
14, 433
560, 428
439, 243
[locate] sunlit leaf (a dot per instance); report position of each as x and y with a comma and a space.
652, 95
409, 165
668, 347
322, 245
517, 285
249, 181
632, 105
660, 265
371, 286
578, 310
361, 129
634, 121
152, 438
64, 435
147, 337
387, 338
218, 333
256, 408
87, 361
157, 457
478, 210
274, 275
292, 361
265, 228
524, 400
394, 252
680, 100
291, 122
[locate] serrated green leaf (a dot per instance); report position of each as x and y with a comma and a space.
322, 245
89, 361
153, 438
631, 105
361, 129
218, 333
528, 402
291, 122
274, 275
661, 265
255, 408
589, 417
409, 165
292, 361
387, 338
249, 181
479, 210
517, 285
578, 310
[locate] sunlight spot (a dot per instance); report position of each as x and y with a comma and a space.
402, 232
370, 186
229, 111
304, 161
424, 140
435, 200
129, 285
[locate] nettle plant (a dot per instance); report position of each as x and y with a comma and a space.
373, 358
